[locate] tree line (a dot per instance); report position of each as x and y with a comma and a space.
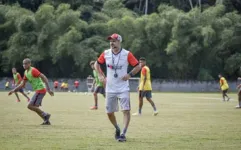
195, 42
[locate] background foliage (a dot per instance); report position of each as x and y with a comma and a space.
181, 39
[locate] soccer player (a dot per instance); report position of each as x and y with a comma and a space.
239, 94
62, 86
145, 87
37, 80
117, 60
17, 79
7, 85
66, 86
56, 85
76, 85
97, 86
224, 87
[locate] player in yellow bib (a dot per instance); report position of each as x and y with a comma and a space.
145, 87
224, 86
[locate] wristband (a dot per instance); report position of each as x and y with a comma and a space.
130, 73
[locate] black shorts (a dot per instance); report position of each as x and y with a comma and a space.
146, 94
225, 91
99, 89
55, 87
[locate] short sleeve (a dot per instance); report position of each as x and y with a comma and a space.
143, 71
19, 77
35, 72
132, 60
101, 59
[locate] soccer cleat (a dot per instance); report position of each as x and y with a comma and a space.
93, 108
117, 134
122, 138
46, 123
46, 118
155, 113
18, 100
136, 114
29, 100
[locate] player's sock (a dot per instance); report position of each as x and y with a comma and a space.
44, 114
124, 131
154, 107
117, 127
139, 110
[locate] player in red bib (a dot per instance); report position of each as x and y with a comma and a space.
17, 79
56, 85
76, 85
37, 80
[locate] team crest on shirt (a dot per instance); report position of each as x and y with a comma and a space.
114, 67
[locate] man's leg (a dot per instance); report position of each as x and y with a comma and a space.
126, 118
239, 100
152, 103
226, 91
96, 91
34, 104
149, 99
125, 105
111, 107
102, 91
18, 99
140, 103
141, 95
95, 101
22, 92
223, 95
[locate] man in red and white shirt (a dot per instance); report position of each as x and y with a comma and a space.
117, 60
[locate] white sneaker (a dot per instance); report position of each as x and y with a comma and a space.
136, 114
155, 113
237, 106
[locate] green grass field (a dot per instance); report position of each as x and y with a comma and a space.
185, 121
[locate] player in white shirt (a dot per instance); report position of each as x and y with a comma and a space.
117, 60
239, 94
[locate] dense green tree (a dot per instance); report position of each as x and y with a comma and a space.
179, 40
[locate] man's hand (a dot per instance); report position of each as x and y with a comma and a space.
126, 77
11, 92
51, 92
101, 78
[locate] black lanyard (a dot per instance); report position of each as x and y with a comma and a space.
116, 65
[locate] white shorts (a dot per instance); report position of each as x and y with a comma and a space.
112, 99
